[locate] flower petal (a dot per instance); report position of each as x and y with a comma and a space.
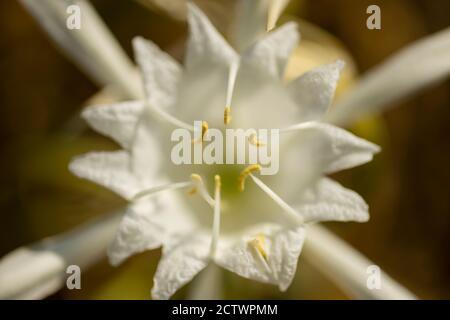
109, 169
282, 247
160, 73
269, 55
259, 89
206, 46
251, 22
413, 68
202, 91
117, 121
180, 262
329, 201
330, 148
146, 226
314, 90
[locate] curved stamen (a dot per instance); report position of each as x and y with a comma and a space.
245, 173
205, 128
216, 219
292, 213
230, 89
199, 186
253, 139
171, 186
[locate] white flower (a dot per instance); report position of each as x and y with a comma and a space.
257, 233
96, 51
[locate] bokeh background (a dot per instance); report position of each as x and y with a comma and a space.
406, 186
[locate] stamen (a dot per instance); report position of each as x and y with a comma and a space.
253, 139
245, 173
216, 219
227, 115
171, 119
298, 126
199, 187
232, 74
171, 186
205, 128
258, 244
292, 213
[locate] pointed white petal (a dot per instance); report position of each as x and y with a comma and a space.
329, 201
203, 88
259, 89
148, 224
180, 262
275, 10
160, 73
282, 248
117, 121
331, 148
314, 90
347, 267
269, 55
417, 66
206, 46
109, 169
251, 22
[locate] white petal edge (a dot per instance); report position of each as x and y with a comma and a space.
269, 55
329, 201
283, 246
149, 224
109, 169
314, 90
251, 22
206, 46
160, 72
117, 121
331, 148
180, 262
417, 66
136, 233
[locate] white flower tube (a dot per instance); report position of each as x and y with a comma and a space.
347, 267
419, 65
92, 47
38, 270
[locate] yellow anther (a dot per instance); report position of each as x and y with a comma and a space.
259, 244
205, 128
217, 182
253, 139
197, 180
227, 115
245, 173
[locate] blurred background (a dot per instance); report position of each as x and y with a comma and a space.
406, 186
